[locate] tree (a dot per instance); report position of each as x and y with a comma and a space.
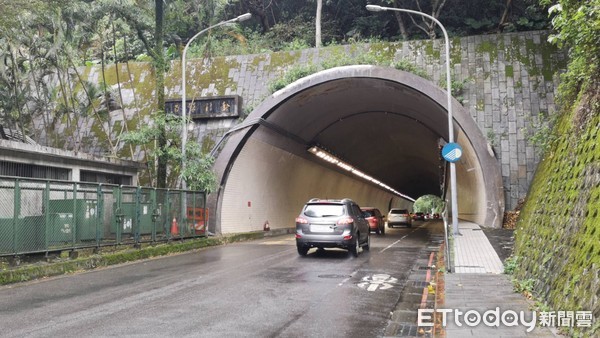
400, 19
198, 172
429, 204
318, 24
577, 28
160, 68
426, 25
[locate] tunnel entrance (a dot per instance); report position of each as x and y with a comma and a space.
386, 123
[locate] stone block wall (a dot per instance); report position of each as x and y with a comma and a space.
507, 82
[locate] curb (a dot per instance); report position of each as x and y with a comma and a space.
43, 270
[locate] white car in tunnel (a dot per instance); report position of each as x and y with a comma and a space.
398, 216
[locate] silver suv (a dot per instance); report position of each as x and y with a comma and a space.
398, 217
332, 224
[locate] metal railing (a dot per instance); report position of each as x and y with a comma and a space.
38, 216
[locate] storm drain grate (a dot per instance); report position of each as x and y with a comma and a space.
407, 330
420, 284
333, 276
424, 268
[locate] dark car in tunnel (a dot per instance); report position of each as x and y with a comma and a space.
332, 224
419, 216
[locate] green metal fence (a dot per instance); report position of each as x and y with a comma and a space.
38, 216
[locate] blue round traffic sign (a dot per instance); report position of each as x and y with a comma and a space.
452, 152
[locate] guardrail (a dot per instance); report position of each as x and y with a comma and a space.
38, 216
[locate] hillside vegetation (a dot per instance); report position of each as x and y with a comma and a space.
558, 232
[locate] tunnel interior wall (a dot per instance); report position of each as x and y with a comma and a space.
469, 180
267, 183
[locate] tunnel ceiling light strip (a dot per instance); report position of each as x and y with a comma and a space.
325, 156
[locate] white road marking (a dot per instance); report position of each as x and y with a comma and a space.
347, 279
375, 282
391, 245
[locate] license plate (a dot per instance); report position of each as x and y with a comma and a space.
320, 228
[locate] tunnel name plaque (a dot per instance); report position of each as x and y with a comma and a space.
207, 107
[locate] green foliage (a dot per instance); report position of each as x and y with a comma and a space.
491, 137
577, 27
410, 67
456, 87
540, 133
293, 74
372, 57
429, 204
475, 24
523, 286
560, 249
542, 137
510, 264
198, 172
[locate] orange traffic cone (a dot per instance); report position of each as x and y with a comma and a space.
174, 227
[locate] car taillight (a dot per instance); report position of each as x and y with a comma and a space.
301, 220
345, 220
298, 236
348, 237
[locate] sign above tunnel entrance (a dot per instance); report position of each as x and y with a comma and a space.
452, 152
207, 107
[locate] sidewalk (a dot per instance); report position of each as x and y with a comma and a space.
477, 283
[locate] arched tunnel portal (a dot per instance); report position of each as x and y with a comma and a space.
386, 123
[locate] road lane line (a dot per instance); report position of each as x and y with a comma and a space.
391, 245
348, 278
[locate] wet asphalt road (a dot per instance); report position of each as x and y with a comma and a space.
260, 288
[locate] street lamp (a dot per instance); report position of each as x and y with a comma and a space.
184, 131
453, 194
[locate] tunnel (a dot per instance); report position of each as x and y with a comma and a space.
385, 125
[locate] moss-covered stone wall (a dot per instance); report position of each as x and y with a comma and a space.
558, 232
506, 81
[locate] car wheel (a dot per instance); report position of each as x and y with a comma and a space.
302, 250
378, 231
354, 249
367, 245
383, 230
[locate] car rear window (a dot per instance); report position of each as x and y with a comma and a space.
324, 210
369, 213
399, 211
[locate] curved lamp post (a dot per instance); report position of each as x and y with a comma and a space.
453, 194
184, 129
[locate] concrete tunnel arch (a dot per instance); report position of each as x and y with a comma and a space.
387, 123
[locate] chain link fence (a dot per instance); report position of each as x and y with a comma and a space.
38, 216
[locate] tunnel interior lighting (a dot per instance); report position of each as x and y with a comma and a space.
326, 156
